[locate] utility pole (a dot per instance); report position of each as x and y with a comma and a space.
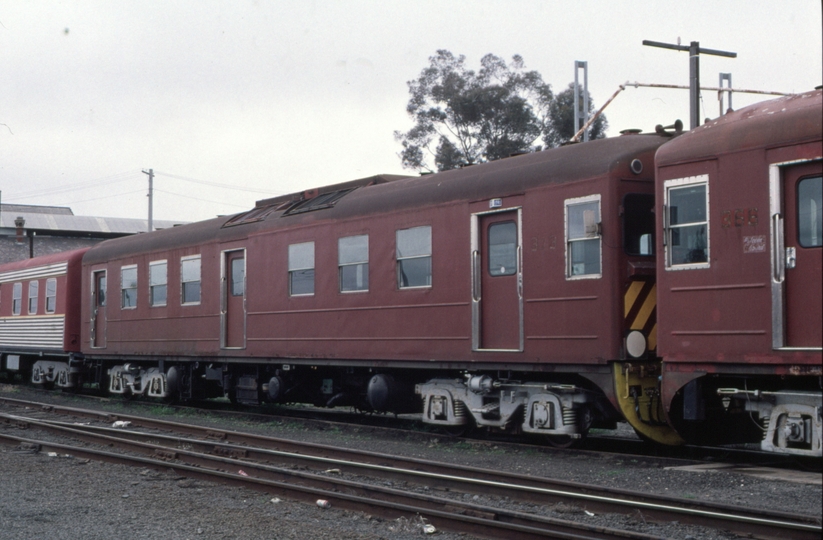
694, 71
150, 172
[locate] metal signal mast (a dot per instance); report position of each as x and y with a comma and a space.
694, 50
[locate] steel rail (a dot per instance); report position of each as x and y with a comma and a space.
598, 444
399, 462
391, 503
478, 480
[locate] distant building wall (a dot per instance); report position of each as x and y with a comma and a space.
28, 231
11, 251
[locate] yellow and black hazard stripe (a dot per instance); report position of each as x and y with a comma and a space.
640, 309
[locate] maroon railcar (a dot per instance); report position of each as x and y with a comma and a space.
40, 318
739, 276
502, 294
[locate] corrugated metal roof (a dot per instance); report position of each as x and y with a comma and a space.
66, 222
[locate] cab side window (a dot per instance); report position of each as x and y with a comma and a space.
583, 242
687, 222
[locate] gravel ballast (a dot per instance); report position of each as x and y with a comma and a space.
66, 497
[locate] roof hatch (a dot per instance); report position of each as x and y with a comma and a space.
307, 201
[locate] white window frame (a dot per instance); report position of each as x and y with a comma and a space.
341, 265
51, 295
293, 267
124, 289
183, 281
153, 266
34, 285
596, 235
677, 183
17, 298
399, 259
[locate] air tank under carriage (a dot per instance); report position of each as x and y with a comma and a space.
517, 294
544, 293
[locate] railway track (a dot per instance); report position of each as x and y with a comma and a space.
310, 471
596, 444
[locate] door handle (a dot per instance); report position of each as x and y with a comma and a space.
791, 258
778, 257
476, 275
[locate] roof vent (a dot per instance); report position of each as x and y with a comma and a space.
632, 131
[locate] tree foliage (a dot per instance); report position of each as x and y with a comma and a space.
561, 128
462, 117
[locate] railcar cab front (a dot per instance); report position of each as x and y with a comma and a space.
740, 289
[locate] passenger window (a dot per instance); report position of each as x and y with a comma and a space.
17, 299
503, 248
190, 280
414, 257
34, 287
687, 222
301, 269
128, 287
583, 250
353, 263
638, 224
810, 212
158, 274
51, 295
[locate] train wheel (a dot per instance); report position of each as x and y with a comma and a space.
456, 431
461, 430
564, 441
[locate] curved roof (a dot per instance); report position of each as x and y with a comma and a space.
17, 270
385, 194
786, 120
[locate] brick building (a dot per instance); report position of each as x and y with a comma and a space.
28, 231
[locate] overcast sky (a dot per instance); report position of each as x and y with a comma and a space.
271, 97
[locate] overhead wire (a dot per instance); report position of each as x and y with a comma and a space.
199, 199
101, 197
131, 176
78, 186
218, 184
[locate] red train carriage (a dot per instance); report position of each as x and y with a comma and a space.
502, 294
739, 277
39, 318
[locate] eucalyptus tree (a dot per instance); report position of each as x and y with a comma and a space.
462, 117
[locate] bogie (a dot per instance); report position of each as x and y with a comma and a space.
633, 278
